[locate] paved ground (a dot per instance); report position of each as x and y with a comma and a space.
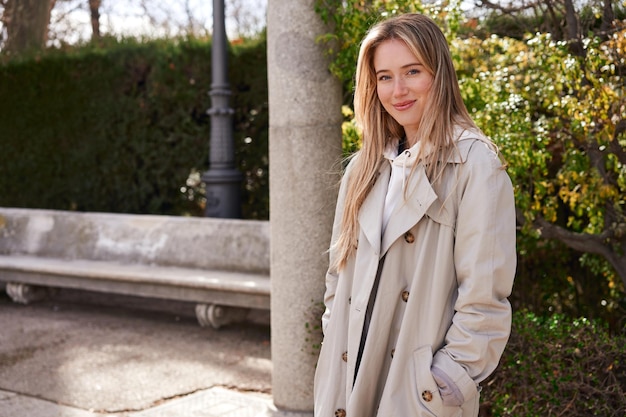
92, 355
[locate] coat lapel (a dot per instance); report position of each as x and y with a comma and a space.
371, 213
419, 197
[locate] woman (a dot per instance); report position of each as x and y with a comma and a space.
422, 257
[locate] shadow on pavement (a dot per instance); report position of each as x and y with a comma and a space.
115, 354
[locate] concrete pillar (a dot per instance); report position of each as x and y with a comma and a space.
304, 151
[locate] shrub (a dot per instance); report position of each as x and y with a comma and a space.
554, 366
120, 127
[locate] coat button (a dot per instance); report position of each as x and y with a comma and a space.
405, 296
392, 352
350, 300
344, 356
340, 413
427, 396
409, 238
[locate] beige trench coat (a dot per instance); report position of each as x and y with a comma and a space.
449, 268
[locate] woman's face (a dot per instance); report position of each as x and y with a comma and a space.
403, 85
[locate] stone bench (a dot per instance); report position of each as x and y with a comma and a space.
222, 265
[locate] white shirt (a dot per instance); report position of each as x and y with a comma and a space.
400, 169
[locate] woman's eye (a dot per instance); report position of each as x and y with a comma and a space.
413, 71
384, 78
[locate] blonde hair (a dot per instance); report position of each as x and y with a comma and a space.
444, 112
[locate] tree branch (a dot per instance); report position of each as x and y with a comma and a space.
557, 30
610, 244
614, 145
505, 9
573, 30
581, 242
608, 16
94, 11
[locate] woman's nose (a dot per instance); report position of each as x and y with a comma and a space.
399, 88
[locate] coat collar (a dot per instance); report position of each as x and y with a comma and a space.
420, 196
463, 140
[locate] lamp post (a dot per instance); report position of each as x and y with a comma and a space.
222, 179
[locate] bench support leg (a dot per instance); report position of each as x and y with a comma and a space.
26, 293
216, 316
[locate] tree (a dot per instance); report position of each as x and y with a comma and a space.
248, 16
557, 17
26, 24
554, 102
558, 107
94, 12
75, 21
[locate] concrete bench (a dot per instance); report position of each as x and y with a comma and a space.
222, 265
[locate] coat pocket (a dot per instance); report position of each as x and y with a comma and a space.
426, 388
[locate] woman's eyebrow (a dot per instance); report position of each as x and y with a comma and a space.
413, 64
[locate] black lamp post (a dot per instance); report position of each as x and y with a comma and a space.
222, 180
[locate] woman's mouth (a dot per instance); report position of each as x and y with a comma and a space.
403, 105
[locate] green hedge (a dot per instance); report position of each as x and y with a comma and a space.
120, 128
556, 366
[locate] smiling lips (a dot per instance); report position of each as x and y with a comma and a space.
404, 105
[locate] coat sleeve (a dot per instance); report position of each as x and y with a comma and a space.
485, 262
332, 275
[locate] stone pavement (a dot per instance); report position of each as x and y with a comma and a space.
83, 354
214, 402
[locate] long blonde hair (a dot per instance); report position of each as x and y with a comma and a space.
444, 112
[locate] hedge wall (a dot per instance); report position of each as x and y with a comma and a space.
121, 128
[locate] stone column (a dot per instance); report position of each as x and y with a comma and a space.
305, 153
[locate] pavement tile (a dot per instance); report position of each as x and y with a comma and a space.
215, 402
13, 405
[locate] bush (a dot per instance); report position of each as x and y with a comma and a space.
120, 127
556, 366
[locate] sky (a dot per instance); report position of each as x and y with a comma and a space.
158, 18
154, 18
